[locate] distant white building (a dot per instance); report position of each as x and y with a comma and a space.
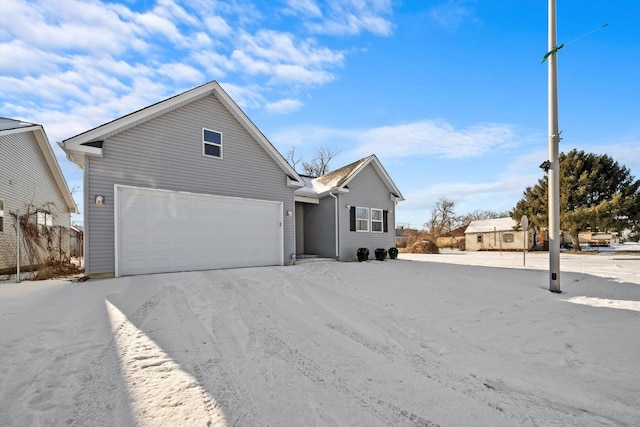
496, 234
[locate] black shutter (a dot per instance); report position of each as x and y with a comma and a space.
352, 218
385, 221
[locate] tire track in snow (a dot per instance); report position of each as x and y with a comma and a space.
315, 367
214, 373
451, 378
511, 402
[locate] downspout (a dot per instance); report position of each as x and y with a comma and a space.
335, 202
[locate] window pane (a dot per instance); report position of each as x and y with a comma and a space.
507, 237
376, 214
362, 213
212, 150
213, 137
376, 226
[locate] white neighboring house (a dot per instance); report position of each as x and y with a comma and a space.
497, 234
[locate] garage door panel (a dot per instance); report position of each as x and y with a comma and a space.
162, 231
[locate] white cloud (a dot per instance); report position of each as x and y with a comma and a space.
351, 17
283, 106
452, 14
304, 7
429, 138
439, 139
217, 26
182, 73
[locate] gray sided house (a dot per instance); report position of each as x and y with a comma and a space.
31, 182
346, 209
189, 183
497, 234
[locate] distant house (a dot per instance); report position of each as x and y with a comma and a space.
189, 183
452, 239
346, 209
403, 236
599, 238
496, 234
31, 183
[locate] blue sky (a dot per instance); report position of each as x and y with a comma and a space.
449, 94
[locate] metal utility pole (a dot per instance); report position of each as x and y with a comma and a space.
554, 169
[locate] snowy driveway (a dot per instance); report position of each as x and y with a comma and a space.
322, 344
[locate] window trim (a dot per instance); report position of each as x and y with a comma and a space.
1, 215
360, 220
44, 219
211, 143
377, 221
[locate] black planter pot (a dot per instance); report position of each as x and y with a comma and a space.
363, 254
393, 253
381, 254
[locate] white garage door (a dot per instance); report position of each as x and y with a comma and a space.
160, 231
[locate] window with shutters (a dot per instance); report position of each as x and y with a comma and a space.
372, 220
376, 220
362, 219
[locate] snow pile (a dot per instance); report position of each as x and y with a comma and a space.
325, 343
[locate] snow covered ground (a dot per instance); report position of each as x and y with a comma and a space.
323, 343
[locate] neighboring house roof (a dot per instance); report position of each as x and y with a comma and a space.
458, 232
339, 179
90, 142
11, 126
490, 225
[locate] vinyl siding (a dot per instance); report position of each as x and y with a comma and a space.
366, 189
166, 153
319, 228
26, 180
494, 241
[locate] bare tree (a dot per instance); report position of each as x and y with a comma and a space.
443, 218
319, 164
292, 159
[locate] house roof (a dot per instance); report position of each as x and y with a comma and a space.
89, 143
12, 126
457, 232
339, 179
490, 225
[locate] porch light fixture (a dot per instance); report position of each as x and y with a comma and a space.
347, 206
99, 200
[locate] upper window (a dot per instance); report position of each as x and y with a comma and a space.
362, 219
211, 143
376, 220
507, 237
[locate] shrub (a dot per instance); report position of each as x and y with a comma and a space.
363, 254
393, 253
422, 247
381, 254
